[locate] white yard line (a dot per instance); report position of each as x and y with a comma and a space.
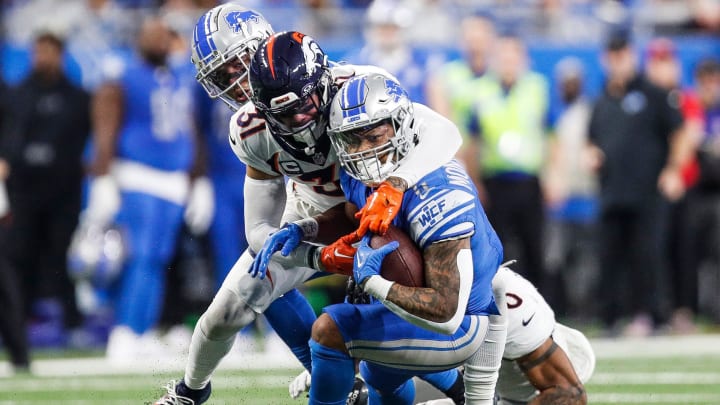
655, 398
657, 346
101, 366
627, 378
111, 383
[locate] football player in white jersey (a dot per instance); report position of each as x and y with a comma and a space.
225, 39
545, 362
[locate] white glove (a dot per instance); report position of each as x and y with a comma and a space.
200, 207
103, 200
300, 384
4, 201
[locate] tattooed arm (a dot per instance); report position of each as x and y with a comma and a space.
448, 275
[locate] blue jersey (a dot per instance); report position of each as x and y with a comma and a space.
158, 112
444, 205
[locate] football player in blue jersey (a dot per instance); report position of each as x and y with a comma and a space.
144, 149
407, 331
225, 40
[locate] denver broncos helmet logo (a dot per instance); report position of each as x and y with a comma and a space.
240, 20
311, 51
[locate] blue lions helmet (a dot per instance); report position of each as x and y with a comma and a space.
290, 75
224, 41
363, 103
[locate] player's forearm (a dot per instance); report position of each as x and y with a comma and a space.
439, 301
441, 306
107, 113
426, 303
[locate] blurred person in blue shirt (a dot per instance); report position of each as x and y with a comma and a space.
144, 152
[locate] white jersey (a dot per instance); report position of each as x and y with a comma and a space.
530, 322
315, 178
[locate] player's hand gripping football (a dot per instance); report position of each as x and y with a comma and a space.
381, 207
285, 240
368, 260
338, 256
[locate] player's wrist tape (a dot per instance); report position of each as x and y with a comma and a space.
309, 228
378, 287
313, 258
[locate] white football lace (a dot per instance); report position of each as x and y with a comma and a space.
172, 398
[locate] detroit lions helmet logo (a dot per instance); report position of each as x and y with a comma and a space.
239, 21
394, 90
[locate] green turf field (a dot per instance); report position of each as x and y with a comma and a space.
655, 379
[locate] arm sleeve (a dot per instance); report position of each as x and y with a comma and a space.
263, 212
439, 142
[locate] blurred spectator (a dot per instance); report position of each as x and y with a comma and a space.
432, 23
706, 15
45, 132
144, 153
570, 191
451, 90
666, 17
565, 21
322, 18
506, 152
13, 330
664, 69
702, 222
386, 46
632, 127
96, 30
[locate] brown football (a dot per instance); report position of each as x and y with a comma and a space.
405, 264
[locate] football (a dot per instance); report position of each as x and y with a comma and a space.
405, 264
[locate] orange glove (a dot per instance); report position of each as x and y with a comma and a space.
338, 256
380, 209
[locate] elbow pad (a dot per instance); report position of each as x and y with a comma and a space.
465, 266
264, 206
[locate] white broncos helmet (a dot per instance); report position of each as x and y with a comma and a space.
362, 103
222, 34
